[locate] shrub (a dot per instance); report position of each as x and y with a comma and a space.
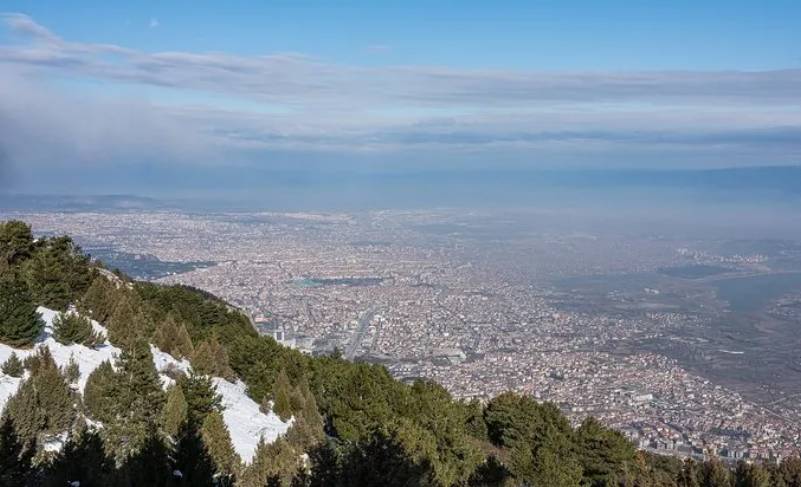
69, 328
13, 366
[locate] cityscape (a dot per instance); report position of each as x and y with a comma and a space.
686, 344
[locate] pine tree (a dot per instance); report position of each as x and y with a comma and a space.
129, 322
604, 453
101, 393
137, 411
16, 241
82, 460
748, 475
553, 470
282, 405
689, 475
148, 465
183, 342
191, 456
715, 474
789, 472
171, 337
20, 324
275, 463
307, 429
69, 328
192, 459
175, 411
43, 404
24, 409
58, 273
201, 398
219, 446
13, 366
15, 459
72, 372
210, 358
100, 299
45, 274
296, 399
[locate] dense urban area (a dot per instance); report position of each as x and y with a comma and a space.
686, 344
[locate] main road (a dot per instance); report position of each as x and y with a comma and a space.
364, 322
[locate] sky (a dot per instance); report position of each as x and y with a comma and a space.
152, 97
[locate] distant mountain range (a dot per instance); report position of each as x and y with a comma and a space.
258, 189
77, 202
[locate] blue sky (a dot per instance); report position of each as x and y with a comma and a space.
511, 34
145, 89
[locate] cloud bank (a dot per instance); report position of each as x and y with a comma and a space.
77, 104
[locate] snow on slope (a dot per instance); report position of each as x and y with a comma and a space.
246, 423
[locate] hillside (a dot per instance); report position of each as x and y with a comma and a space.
241, 414
107, 381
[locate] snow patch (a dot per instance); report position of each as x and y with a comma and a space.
245, 421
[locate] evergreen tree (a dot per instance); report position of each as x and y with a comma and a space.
605, 454
192, 459
58, 273
748, 475
789, 472
552, 470
273, 464
41, 357
45, 275
137, 411
72, 371
100, 299
13, 366
82, 460
20, 324
201, 398
282, 405
102, 392
175, 412
210, 358
715, 474
16, 241
383, 460
309, 422
148, 465
171, 337
690, 475
15, 459
129, 323
43, 404
532, 434
220, 448
24, 409
69, 328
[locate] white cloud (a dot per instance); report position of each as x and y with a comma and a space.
219, 107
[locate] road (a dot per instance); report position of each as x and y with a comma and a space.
364, 322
